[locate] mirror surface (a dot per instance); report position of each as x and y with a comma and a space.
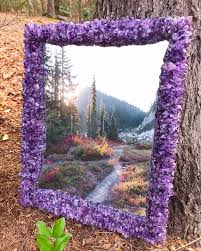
100, 108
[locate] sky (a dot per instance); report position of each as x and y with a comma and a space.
130, 73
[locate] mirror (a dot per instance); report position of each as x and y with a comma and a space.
100, 111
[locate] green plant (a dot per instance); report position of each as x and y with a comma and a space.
52, 239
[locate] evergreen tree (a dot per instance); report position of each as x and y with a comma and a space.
56, 81
102, 119
93, 110
62, 116
65, 80
52, 77
74, 119
113, 134
49, 80
107, 123
88, 118
69, 111
71, 120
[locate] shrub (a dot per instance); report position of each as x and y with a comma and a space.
133, 158
51, 178
50, 174
143, 146
137, 184
90, 149
97, 151
137, 200
52, 158
77, 152
91, 152
104, 148
131, 190
75, 177
70, 140
80, 147
140, 211
57, 149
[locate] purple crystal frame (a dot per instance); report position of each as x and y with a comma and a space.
124, 31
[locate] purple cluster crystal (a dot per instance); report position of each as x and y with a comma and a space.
124, 31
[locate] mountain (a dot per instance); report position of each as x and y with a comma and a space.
144, 133
148, 122
128, 116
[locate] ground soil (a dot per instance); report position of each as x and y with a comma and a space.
17, 224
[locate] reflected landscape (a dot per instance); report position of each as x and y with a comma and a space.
100, 111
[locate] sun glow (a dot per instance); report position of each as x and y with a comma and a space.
70, 95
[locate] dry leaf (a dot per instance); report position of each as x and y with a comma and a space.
28, 215
8, 75
159, 249
107, 246
5, 137
87, 241
7, 110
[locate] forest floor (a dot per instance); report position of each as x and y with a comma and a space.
17, 224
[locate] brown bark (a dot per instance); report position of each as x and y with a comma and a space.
57, 4
185, 205
31, 7
79, 10
51, 8
44, 6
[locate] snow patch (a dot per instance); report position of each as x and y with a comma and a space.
132, 136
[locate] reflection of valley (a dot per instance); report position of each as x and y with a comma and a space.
98, 147
125, 188
102, 171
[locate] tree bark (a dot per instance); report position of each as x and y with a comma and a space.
51, 8
31, 7
44, 6
57, 4
185, 205
79, 11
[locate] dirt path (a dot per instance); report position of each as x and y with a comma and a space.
102, 190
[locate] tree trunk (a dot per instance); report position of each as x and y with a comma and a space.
44, 6
51, 8
57, 4
79, 11
31, 7
185, 205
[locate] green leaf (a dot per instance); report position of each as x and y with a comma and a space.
44, 244
58, 228
43, 229
61, 242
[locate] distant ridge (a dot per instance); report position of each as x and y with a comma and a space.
128, 116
